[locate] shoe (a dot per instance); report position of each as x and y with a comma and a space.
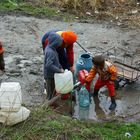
113, 104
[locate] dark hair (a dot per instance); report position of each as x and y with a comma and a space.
98, 60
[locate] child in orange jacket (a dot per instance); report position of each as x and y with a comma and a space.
107, 75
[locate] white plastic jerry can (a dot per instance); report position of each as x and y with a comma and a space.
11, 118
63, 82
10, 96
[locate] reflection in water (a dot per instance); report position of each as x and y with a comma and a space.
83, 113
99, 111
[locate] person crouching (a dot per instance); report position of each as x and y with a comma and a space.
107, 75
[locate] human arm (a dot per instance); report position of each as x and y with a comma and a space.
49, 63
91, 75
113, 71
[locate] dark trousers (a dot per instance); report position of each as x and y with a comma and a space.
2, 64
50, 87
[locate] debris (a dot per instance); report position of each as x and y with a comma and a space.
88, 13
96, 12
58, 11
104, 42
124, 43
134, 11
76, 17
118, 23
117, 17
127, 134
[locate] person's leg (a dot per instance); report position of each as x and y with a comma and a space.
99, 83
111, 88
2, 64
50, 87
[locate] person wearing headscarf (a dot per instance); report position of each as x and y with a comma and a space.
66, 51
51, 63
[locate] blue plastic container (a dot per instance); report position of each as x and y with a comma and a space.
84, 99
84, 62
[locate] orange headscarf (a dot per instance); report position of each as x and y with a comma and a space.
69, 37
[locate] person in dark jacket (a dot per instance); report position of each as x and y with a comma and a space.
51, 62
2, 64
65, 52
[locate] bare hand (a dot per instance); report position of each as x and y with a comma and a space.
72, 69
62, 71
85, 84
111, 82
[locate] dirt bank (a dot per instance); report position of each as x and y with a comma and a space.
22, 35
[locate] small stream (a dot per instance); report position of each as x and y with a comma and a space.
21, 37
128, 106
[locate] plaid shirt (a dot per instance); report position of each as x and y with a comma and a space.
109, 72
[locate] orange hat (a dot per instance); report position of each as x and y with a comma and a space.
69, 37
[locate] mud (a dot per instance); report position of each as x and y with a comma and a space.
21, 37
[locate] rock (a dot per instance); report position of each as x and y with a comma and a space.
34, 72
124, 43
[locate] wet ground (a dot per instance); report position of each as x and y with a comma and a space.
21, 37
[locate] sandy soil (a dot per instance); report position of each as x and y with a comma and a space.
22, 35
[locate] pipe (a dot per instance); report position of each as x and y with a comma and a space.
84, 48
81, 46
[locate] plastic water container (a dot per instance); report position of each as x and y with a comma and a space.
84, 100
84, 62
81, 78
11, 118
84, 113
10, 96
63, 82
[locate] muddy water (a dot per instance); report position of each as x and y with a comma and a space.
21, 37
128, 105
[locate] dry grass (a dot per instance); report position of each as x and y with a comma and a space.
90, 4
83, 5
111, 10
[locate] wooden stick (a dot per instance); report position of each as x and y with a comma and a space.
50, 102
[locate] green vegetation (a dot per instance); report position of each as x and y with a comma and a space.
68, 10
44, 124
33, 9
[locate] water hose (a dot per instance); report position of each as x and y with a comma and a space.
84, 49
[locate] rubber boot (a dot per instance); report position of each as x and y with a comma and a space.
113, 104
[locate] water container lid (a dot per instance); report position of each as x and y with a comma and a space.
85, 55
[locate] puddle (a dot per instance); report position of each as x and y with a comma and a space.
128, 105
